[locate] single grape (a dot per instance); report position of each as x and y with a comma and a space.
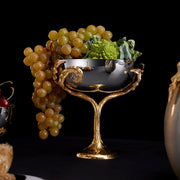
40, 117
81, 30
48, 44
54, 131
87, 35
62, 40
72, 35
44, 100
58, 50
33, 57
81, 36
68, 57
58, 99
100, 29
39, 49
107, 35
75, 52
61, 118
56, 116
66, 49
54, 45
33, 71
37, 84
43, 134
27, 61
42, 125
49, 121
35, 97
53, 35
44, 57
47, 86
77, 42
97, 35
41, 92
49, 112
84, 48
48, 73
58, 108
42, 107
28, 51
92, 29
55, 124
38, 66
40, 75
51, 104
63, 31
52, 97
59, 126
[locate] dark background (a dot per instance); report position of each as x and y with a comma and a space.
137, 115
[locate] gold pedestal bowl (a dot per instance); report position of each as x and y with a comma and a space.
82, 76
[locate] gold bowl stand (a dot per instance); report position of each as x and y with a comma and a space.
69, 79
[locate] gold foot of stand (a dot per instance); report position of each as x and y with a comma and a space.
91, 153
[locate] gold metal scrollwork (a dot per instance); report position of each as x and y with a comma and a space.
174, 82
2, 130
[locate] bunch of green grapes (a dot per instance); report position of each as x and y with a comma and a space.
47, 95
71, 44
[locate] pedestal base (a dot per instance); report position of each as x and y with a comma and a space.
101, 154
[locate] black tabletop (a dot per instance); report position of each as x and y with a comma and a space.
55, 159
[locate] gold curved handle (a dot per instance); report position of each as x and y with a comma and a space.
175, 80
130, 87
139, 72
2, 131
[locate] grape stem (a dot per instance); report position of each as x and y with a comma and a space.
11, 94
11, 88
6, 82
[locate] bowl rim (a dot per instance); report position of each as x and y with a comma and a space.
119, 60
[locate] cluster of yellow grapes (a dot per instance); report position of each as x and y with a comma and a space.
71, 44
47, 95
